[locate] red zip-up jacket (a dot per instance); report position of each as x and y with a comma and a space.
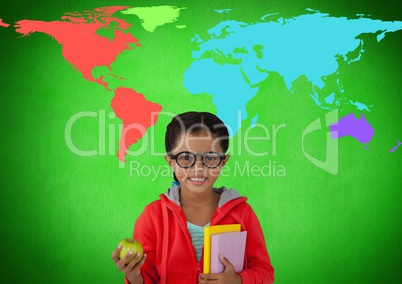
171, 257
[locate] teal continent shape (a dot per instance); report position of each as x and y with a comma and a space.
237, 56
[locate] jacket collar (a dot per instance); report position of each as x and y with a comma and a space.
172, 198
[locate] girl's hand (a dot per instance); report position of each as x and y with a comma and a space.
229, 276
131, 270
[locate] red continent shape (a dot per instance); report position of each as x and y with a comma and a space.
137, 115
81, 46
2, 24
84, 50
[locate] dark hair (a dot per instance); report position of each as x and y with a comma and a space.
195, 123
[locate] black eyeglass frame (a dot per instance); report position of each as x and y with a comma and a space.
221, 157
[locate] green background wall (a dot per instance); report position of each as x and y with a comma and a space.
62, 214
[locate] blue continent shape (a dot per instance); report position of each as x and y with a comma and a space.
237, 56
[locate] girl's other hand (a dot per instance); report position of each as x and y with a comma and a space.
131, 270
229, 276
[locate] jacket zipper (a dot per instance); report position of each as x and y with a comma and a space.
188, 237
198, 272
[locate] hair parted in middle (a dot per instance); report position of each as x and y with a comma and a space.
194, 123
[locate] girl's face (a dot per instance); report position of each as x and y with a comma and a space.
198, 178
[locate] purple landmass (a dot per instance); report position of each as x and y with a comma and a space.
396, 147
349, 125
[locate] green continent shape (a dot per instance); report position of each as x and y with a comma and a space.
155, 16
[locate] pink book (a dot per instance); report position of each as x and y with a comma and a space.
231, 245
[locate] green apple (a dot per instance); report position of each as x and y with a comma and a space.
128, 245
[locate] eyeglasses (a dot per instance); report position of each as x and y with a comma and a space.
187, 159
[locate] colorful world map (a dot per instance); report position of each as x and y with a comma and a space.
229, 63
310, 92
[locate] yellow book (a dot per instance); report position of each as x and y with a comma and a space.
211, 230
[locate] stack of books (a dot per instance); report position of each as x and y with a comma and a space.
226, 240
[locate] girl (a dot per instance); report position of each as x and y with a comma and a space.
171, 228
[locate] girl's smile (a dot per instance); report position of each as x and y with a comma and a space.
198, 178
197, 181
